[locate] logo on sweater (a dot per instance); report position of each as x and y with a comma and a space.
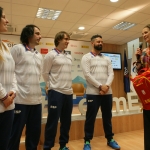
90, 101
54, 107
17, 111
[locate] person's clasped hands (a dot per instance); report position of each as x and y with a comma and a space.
103, 89
9, 100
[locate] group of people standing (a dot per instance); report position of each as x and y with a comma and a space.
20, 93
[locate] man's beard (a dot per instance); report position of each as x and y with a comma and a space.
98, 47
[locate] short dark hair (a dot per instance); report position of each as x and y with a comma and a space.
1, 12
147, 26
95, 36
27, 32
59, 36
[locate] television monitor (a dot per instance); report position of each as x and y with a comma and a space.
115, 60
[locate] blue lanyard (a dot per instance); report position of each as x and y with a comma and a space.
28, 48
58, 51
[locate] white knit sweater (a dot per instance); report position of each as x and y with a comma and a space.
7, 77
28, 71
57, 72
97, 71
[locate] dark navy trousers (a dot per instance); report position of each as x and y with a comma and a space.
6, 121
29, 115
59, 106
146, 117
94, 102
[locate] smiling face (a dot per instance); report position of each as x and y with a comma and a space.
64, 42
3, 23
146, 34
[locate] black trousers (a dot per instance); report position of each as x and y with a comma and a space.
59, 106
94, 102
6, 121
146, 117
29, 115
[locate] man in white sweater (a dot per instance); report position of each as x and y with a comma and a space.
56, 72
99, 75
28, 63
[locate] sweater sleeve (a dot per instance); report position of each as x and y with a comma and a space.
3, 92
15, 52
14, 84
110, 73
46, 67
85, 63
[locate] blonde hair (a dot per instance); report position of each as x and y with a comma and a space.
1, 57
147, 26
2, 46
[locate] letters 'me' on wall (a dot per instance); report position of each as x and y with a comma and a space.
132, 109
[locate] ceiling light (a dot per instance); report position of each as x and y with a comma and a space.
81, 28
47, 13
114, 1
124, 25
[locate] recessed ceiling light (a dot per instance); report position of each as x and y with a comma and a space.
47, 13
81, 28
114, 1
124, 25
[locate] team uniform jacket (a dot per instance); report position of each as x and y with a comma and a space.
28, 71
57, 71
97, 71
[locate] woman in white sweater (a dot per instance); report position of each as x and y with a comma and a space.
7, 87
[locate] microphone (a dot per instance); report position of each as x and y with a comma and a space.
140, 46
138, 56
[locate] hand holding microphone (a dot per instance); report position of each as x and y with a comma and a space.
138, 56
139, 52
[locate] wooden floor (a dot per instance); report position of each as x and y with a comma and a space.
128, 141
132, 140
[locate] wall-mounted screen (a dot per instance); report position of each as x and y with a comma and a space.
115, 59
